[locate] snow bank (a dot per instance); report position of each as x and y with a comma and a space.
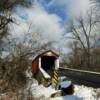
86, 93
81, 93
40, 90
65, 84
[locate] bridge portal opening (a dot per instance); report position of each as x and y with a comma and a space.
48, 63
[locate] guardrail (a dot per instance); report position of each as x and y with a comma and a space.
81, 76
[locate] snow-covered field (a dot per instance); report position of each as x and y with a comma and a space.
81, 93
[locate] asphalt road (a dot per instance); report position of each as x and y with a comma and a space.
81, 78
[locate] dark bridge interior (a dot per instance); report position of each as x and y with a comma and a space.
48, 63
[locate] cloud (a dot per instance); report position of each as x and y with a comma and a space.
73, 7
78, 7
47, 25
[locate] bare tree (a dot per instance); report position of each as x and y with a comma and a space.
9, 4
14, 66
84, 31
6, 7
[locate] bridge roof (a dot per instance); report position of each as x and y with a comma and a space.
47, 53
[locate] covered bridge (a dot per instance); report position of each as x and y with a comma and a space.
46, 62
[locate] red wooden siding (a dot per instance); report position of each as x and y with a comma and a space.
35, 66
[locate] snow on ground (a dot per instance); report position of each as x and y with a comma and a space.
81, 93
40, 90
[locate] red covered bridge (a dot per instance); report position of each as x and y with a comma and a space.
47, 61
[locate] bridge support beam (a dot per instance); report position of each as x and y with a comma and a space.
57, 64
39, 62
